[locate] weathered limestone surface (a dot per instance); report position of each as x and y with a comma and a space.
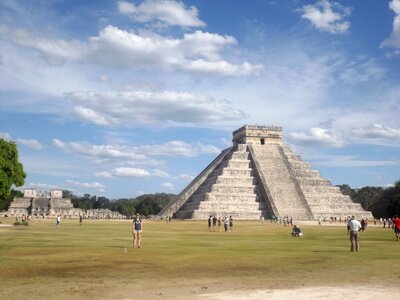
258, 177
52, 205
229, 190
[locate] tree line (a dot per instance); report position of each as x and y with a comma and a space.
382, 202
147, 204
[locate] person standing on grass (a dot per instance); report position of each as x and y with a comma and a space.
226, 223
137, 228
396, 223
80, 219
214, 222
209, 223
58, 221
219, 224
230, 223
353, 227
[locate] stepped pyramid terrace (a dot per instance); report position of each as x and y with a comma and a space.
259, 177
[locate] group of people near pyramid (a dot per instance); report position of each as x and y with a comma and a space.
214, 222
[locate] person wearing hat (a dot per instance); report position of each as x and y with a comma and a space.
353, 227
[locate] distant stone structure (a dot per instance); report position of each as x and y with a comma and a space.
259, 177
53, 204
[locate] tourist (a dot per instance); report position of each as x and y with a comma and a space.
219, 224
230, 223
80, 219
209, 223
58, 221
214, 222
137, 228
297, 232
396, 223
363, 225
226, 223
353, 227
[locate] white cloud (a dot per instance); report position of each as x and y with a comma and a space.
103, 174
92, 116
195, 52
5, 136
318, 136
159, 173
323, 16
169, 12
88, 185
141, 153
184, 177
339, 137
394, 39
168, 185
179, 148
151, 108
349, 161
43, 186
32, 143
130, 172
55, 51
100, 153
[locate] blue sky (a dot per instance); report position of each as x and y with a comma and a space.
120, 98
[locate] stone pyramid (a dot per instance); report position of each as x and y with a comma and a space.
259, 177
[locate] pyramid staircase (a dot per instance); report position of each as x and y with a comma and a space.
229, 190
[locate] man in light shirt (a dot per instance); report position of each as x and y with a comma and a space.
353, 227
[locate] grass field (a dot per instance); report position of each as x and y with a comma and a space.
96, 260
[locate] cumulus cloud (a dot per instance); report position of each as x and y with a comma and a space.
318, 136
330, 137
31, 143
394, 39
103, 174
327, 16
132, 172
141, 153
197, 52
168, 185
349, 161
87, 185
100, 153
151, 108
166, 11
55, 51
5, 136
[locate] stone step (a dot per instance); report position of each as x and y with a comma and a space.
225, 206
320, 189
240, 155
216, 197
313, 181
236, 164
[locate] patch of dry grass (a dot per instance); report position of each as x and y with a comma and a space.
96, 260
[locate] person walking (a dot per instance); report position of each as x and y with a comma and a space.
209, 223
396, 223
353, 227
226, 223
58, 221
214, 223
230, 223
137, 228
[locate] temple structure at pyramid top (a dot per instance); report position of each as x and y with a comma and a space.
259, 177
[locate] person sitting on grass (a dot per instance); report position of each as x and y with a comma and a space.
297, 232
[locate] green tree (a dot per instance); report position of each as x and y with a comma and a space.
11, 170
